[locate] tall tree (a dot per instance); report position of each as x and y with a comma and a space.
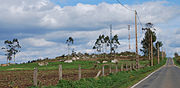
176, 55
107, 42
11, 48
146, 42
158, 43
99, 43
69, 42
115, 43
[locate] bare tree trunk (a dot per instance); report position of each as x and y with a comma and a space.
14, 59
68, 51
7, 61
151, 51
158, 53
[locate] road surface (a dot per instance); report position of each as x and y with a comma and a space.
167, 77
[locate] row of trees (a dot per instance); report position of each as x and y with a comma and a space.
146, 42
103, 42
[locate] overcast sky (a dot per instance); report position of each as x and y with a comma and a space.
42, 26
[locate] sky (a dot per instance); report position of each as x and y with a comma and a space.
43, 26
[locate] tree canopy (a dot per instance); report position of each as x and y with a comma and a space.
146, 42
11, 48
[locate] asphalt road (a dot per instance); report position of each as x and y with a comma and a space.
167, 77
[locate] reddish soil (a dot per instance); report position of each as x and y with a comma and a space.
23, 79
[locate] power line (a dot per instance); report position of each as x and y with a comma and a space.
130, 10
139, 21
124, 6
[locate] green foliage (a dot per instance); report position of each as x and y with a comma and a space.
104, 41
100, 41
176, 55
147, 39
177, 60
70, 40
65, 84
146, 42
12, 47
115, 43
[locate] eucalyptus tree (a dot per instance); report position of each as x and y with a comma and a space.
146, 42
158, 45
98, 44
103, 42
11, 48
107, 42
102, 38
176, 55
69, 42
115, 43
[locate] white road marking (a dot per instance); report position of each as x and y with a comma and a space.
146, 77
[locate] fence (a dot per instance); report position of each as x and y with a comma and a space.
104, 70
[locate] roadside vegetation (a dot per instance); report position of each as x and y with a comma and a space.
176, 59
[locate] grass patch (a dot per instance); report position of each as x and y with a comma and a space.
55, 65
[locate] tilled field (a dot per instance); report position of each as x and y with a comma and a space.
23, 79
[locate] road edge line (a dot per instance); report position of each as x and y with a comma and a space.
147, 77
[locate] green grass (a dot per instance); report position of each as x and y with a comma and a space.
123, 79
50, 66
54, 65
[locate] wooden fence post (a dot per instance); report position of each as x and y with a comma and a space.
98, 74
60, 72
35, 76
130, 67
110, 71
79, 72
133, 67
126, 67
122, 67
116, 68
103, 70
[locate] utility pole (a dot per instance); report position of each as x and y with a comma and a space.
158, 52
137, 56
151, 51
129, 37
110, 38
162, 54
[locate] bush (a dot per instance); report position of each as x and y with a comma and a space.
178, 59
